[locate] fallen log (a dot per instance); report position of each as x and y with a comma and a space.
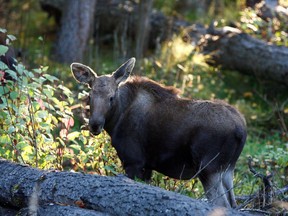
52, 209
7, 211
23, 187
232, 49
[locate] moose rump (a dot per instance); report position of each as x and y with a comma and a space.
151, 128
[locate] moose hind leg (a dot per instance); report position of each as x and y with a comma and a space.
228, 187
214, 189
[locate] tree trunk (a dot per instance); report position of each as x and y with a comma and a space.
75, 29
143, 27
234, 50
25, 187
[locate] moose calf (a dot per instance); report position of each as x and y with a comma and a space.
152, 128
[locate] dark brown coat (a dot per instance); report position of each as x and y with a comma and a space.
153, 129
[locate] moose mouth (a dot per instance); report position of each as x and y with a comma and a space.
96, 131
96, 126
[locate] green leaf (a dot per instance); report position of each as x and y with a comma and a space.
37, 70
3, 66
11, 129
70, 100
111, 169
83, 95
48, 91
12, 73
42, 114
45, 126
23, 146
11, 37
66, 91
44, 69
73, 135
30, 74
3, 90
13, 95
50, 78
36, 105
75, 147
3, 49
3, 30
21, 69
4, 139
61, 141
50, 158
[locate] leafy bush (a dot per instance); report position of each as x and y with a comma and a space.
37, 125
31, 114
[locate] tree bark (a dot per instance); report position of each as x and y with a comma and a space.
232, 49
25, 187
54, 209
143, 27
75, 29
7, 211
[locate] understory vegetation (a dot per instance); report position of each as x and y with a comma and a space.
43, 116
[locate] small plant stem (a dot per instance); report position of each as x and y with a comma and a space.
32, 117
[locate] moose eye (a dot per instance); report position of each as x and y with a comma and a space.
111, 100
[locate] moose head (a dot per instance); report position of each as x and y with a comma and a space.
103, 90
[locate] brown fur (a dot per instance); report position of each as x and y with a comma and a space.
152, 128
137, 83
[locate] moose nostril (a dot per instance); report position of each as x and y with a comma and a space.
96, 125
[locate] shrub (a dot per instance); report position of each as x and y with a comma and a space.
37, 125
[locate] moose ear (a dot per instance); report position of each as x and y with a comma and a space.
124, 71
82, 73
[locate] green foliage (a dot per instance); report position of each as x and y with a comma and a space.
270, 155
92, 154
30, 112
37, 119
36, 125
272, 30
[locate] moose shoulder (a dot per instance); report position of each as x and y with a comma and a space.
152, 128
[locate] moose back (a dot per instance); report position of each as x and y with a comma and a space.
151, 128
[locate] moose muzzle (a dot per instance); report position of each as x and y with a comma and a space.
96, 125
